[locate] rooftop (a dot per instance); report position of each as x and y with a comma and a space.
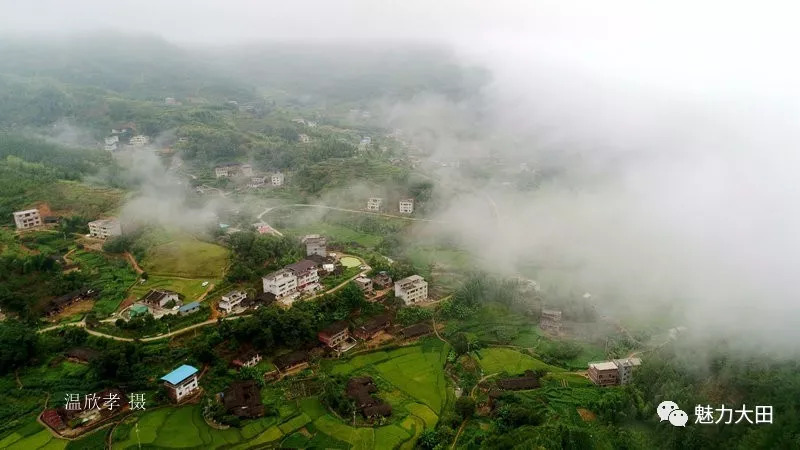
189, 306
181, 373
334, 328
27, 211
301, 266
278, 273
604, 365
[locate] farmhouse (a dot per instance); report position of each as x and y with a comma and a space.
189, 308
248, 359
412, 289
407, 206
604, 373
315, 245
181, 382
243, 399
105, 228
527, 381
139, 140
610, 373
112, 140
281, 283
374, 204
226, 170
416, 330
58, 304
291, 361
334, 335
626, 367
306, 273
382, 280
81, 354
550, 320
365, 284
360, 389
277, 179
231, 300
160, 297
256, 182
30, 218
372, 327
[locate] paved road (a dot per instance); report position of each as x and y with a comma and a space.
372, 213
82, 323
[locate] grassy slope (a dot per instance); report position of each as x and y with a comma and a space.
186, 257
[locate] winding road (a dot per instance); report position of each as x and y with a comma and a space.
82, 323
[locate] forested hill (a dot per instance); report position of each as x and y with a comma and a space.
137, 67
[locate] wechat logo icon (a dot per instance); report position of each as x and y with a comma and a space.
668, 410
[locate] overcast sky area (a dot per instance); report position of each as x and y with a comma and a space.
695, 104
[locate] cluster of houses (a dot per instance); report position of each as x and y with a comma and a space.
289, 283
162, 302
361, 390
231, 170
405, 206
80, 415
112, 142
32, 218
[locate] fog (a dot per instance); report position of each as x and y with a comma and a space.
672, 130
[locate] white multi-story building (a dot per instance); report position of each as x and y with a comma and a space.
181, 382
306, 273
315, 245
277, 179
104, 228
231, 300
374, 204
112, 140
29, 218
407, 206
247, 170
412, 289
281, 283
139, 140
110, 147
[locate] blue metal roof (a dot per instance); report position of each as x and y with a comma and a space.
181, 373
189, 306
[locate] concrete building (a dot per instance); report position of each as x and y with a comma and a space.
139, 140
110, 147
614, 372
181, 382
407, 206
306, 273
625, 368
246, 170
30, 218
604, 373
277, 179
256, 182
281, 283
112, 140
304, 138
226, 170
550, 320
365, 284
335, 335
231, 300
104, 228
374, 204
412, 289
315, 245
249, 359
